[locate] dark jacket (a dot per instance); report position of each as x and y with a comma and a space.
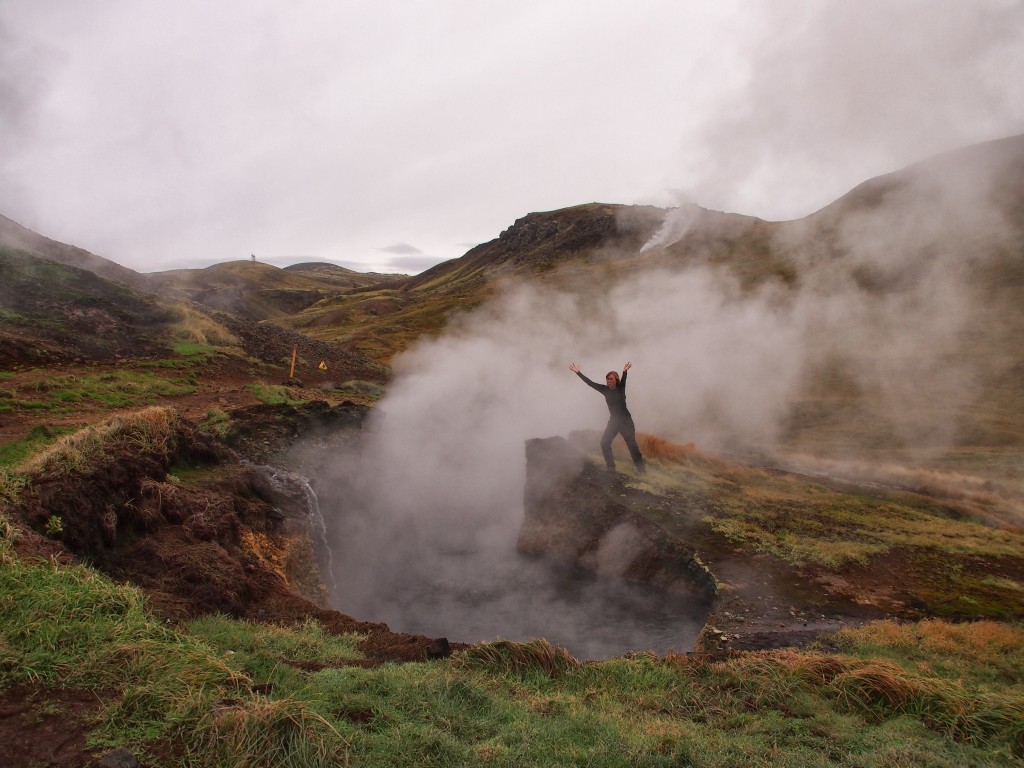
616, 398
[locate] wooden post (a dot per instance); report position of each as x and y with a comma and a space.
291, 374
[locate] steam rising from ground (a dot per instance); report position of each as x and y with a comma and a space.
432, 504
428, 513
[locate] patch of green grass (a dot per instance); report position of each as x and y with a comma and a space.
7, 405
41, 435
512, 704
274, 394
804, 522
276, 655
116, 389
236, 693
804, 526
11, 484
1002, 583
362, 389
193, 349
217, 422
72, 627
172, 364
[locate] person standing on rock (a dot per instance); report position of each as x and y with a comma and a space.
620, 422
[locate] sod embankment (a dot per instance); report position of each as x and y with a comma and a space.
219, 691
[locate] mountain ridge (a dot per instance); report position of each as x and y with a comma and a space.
952, 223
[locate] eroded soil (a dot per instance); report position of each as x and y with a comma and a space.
222, 540
47, 727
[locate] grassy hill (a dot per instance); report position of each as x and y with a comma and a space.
53, 311
14, 237
249, 289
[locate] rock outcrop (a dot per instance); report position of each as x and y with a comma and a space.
578, 512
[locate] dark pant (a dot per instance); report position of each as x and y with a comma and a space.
625, 428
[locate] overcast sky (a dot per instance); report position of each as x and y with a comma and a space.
389, 136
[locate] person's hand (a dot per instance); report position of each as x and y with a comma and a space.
627, 366
574, 368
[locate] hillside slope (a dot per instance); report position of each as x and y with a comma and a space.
910, 287
51, 311
256, 291
14, 236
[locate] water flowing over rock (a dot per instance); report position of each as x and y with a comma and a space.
302, 499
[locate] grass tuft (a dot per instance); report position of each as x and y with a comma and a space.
200, 330
655, 448
509, 656
152, 430
217, 422
261, 733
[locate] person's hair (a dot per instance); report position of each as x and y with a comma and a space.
612, 373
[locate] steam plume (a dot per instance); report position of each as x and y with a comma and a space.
435, 496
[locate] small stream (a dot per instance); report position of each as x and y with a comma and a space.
293, 485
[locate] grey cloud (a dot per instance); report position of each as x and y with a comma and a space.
413, 264
326, 130
401, 248
838, 93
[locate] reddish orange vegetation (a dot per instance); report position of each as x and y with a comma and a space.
657, 448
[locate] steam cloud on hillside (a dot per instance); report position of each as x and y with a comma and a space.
434, 501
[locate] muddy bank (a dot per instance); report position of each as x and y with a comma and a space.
196, 526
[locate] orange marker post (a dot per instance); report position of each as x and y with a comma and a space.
291, 373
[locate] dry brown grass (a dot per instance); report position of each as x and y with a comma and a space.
199, 328
262, 733
880, 683
877, 687
976, 641
656, 448
152, 430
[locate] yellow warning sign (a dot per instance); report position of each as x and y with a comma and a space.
323, 365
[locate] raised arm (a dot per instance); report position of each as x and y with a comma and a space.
576, 369
622, 379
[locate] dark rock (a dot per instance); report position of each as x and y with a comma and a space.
439, 648
578, 513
